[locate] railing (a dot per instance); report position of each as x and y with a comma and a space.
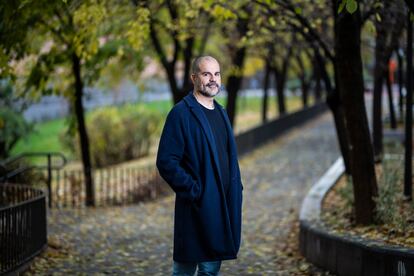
48, 167
112, 186
23, 232
66, 187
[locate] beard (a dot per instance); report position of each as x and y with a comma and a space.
210, 90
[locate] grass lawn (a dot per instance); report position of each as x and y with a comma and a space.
45, 137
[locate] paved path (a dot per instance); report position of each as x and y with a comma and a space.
138, 239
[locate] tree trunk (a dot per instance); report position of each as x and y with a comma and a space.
169, 65
317, 80
410, 4
379, 73
188, 56
280, 80
235, 80
393, 121
409, 113
334, 103
303, 82
83, 134
305, 97
266, 83
177, 94
400, 85
233, 85
389, 30
351, 89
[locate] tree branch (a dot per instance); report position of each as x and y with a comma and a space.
54, 31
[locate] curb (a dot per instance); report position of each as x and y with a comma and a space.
345, 254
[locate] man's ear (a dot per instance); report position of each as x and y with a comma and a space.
193, 76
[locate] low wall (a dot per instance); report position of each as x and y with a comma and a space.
259, 135
346, 254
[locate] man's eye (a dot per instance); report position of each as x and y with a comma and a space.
217, 74
205, 75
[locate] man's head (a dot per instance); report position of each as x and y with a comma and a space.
205, 74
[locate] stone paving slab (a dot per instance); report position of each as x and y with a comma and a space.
137, 239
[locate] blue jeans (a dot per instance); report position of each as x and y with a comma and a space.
204, 268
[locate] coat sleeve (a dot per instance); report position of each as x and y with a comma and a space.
169, 156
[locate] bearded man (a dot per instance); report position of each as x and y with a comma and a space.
197, 157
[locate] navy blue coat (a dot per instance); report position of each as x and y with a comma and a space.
207, 222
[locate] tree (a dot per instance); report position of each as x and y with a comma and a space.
72, 45
410, 4
346, 100
388, 29
281, 73
266, 84
314, 31
179, 31
237, 50
13, 126
399, 53
302, 57
408, 111
351, 90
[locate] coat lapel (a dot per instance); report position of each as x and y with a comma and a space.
201, 117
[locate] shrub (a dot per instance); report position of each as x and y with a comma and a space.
346, 192
118, 134
13, 127
390, 194
140, 128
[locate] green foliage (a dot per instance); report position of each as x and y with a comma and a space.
15, 24
390, 207
138, 29
5, 68
118, 135
350, 5
13, 126
42, 37
86, 19
222, 14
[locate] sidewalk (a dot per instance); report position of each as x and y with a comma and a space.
138, 239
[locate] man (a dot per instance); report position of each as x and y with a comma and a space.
197, 157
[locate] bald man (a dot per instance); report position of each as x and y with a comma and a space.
197, 157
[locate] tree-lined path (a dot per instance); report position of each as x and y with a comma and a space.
138, 239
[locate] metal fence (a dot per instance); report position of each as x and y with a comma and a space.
65, 187
23, 232
112, 186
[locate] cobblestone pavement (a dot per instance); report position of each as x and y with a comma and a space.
138, 239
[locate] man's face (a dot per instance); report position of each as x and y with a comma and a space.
208, 80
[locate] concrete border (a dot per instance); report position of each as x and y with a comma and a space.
345, 254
